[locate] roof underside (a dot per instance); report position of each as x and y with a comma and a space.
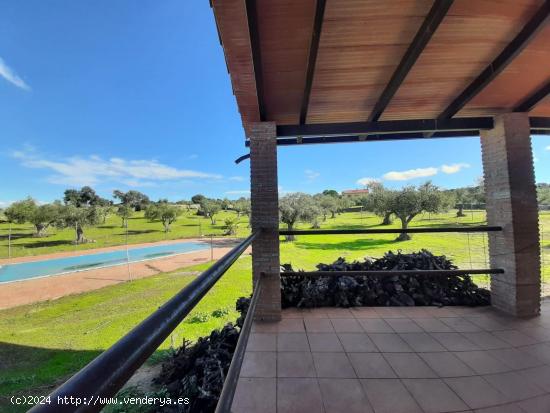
334, 61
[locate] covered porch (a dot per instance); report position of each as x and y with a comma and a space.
326, 72
397, 360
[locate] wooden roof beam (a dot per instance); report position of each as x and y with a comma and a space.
312, 58
252, 17
531, 101
429, 26
529, 31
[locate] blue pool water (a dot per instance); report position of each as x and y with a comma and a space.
26, 270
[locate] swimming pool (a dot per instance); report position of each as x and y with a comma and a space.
56, 266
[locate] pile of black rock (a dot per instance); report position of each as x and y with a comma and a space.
386, 290
198, 371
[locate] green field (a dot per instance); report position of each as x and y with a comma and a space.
41, 344
110, 233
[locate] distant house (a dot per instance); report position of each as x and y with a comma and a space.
353, 192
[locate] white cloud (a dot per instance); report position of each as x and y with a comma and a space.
410, 174
238, 192
9, 74
454, 168
367, 181
91, 170
547, 148
311, 175
236, 178
193, 156
5, 204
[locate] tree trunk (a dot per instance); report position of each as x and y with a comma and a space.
333, 214
387, 219
460, 212
290, 238
40, 230
80, 235
403, 236
166, 226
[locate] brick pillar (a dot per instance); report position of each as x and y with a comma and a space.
265, 216
512, 203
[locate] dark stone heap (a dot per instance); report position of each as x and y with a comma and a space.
388, 290
198, 371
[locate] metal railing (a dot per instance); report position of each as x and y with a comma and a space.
230, 384
456, 272
104, 376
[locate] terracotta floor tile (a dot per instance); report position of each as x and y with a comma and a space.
539, 333
506, 408
346, 325
475, 391
375, 325
389, 396
433, 325
403, 325
295, 364
333, 312
446, 364
371, 366
515, 338
255, 395
389, 342
539, 376
434, 396
540, 351
364, 312
482, 362
455, 342
515, 358
318, 325
330, 365
344, 395
357, 342
513, 386
486, 340
291, 325
536, 405
417, 312
409, 365
486, 323
324, 342
421, 342
298, 395
390, 312
259, 364
264, 327
262, 342
460, 325
293, 312
292, 342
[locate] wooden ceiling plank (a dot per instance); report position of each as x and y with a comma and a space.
529, 31
429, 26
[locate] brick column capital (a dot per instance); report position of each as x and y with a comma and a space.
261, 130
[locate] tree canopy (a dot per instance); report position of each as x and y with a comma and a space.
135, 199
297, 207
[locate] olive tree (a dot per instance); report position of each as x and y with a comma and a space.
328, 204
296, 207
134, 199
163, 212
71, 216
210, 208
379, 202
27, 210
411, 201
125, 212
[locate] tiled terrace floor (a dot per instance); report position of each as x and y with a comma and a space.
397, 360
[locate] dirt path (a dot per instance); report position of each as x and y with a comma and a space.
49, 288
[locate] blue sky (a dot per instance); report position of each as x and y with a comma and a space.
124, 97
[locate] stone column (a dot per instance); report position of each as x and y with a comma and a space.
512, 204
265, 217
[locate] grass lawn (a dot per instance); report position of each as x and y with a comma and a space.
41, 344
